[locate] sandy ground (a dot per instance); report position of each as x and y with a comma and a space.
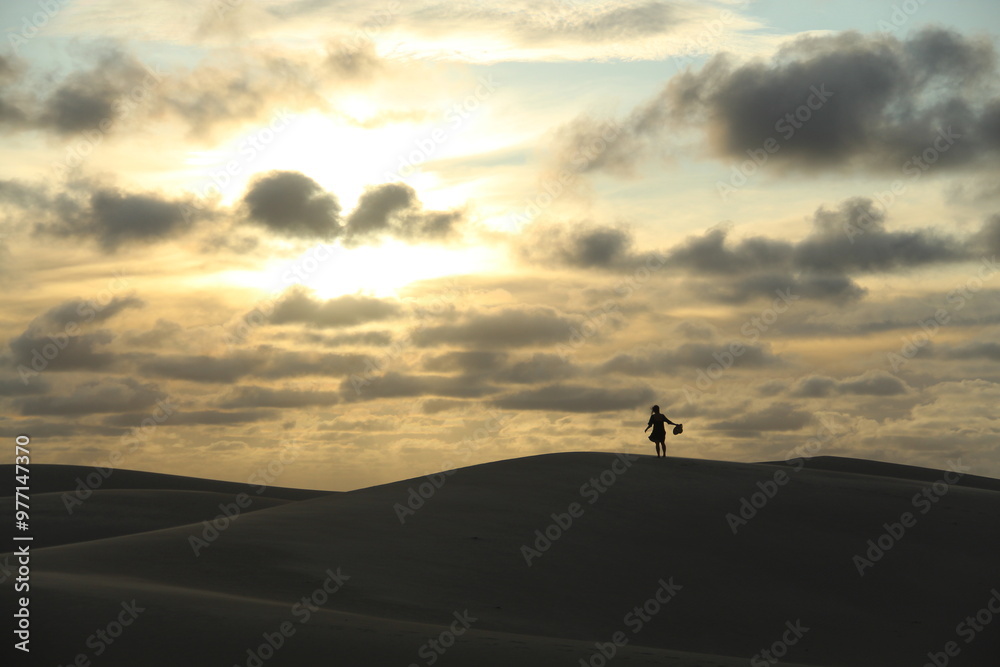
636, 561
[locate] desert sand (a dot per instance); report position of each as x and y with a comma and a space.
560, 559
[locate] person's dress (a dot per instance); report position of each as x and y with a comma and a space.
659, 433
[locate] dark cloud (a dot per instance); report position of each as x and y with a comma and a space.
873, 383
84, 311
99, 396
977, 350
202, 368
399, 385
583, 245
435, 405
263, 362
377, 206
853, 238
297, 306
163, 331
265, 397
814, 386
115, 218
92, 99
691, 355
277, 364
393, 209
15, 386
197, 417
290, 203
59, 351
539, 367
827, 101
464, 361
987, 240
776, 417
576, 398
509, 327
373, 338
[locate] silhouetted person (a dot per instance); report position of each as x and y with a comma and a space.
659, 434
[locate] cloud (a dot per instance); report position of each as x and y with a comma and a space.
62, 352
775, 417
690, 355
576, 398
290, 203
197, 417
988, 350
539, 367
399, 385
265, 397
81, 311
124, 395
14, 386
871, 383
202, 367
115, 218
297, 306
853, 238
508, 327
393, 209
582, 245
263, 361
89, 99
466, 361
377, 206
829, 101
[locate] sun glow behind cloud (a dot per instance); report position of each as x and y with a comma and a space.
382, 271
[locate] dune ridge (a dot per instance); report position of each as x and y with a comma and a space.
561, 559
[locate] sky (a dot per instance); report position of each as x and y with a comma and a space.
345, 243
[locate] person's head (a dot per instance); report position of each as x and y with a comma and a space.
656, 408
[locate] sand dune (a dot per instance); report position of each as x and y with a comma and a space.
640, 550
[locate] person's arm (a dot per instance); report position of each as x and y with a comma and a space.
649, 425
